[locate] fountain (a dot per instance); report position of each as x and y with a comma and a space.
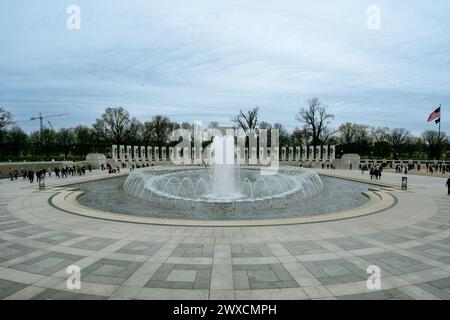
224, 186
224, 170
223, 189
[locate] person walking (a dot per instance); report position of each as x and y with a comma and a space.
448, 186
376, 172
31, 176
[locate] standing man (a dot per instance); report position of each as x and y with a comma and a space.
448, 186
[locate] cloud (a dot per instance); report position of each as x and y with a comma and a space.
203, 60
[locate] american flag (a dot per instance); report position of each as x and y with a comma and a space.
435, 115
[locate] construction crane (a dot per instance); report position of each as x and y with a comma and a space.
51, 126
41, 118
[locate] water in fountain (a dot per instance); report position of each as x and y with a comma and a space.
224, 185
192, 187
223, 172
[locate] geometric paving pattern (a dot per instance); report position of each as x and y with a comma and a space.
392, 263
12, 225
193, 250
7, 288
303, 247
262, 276
440, 288
48, 263
52, 294
181, 276
336, 271
109, 271
388, 237
437, 253
57, 237
30, 231
140, 248
93, 244
391, 294
410, 242
350, 243
14, 251
250, 250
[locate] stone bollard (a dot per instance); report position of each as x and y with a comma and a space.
404, 183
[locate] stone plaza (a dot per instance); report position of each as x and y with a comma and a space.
408, 240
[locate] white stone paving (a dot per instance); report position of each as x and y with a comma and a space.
36, 238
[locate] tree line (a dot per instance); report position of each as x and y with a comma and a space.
117, 126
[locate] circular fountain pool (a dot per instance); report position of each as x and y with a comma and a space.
224, 187
238, 194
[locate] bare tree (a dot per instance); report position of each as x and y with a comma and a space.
380, 134
17, 139
213, 125
135, 132
315, 119
435, 143
5, 118
283, 134
265, 125
354, 137
186, 125
115, 122
300, 136
158, 130
83, 140
397, 138
381, 142
327, 135
247, 121
65, 138
48, 138
353, 132
101, 136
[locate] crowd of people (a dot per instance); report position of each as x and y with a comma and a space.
430, 168
64, 172
110, 169
328, 166
375, 171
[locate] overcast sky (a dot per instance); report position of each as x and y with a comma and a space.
205, 60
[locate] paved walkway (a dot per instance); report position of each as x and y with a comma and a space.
409, 242
422, 172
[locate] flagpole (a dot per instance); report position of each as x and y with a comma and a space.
439, 132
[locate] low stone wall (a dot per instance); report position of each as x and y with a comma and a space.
96, 160
412, 161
